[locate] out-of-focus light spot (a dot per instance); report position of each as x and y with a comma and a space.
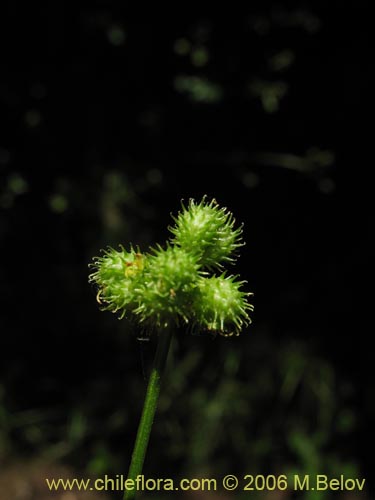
269, 93
58, 203
282, 60
302, 18
346, 420
314, 159
38, 90
320, 157
250, 180
326, 185
182, 46
198, 89
199, 56
307, 20
33, 118
17, 184
281, 17
116, 35
154, 176
4, 156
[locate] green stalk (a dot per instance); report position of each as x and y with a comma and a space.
149, 409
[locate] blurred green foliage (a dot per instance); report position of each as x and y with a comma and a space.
243, 406
198, 89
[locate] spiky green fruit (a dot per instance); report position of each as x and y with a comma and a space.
220, 306
166, 288
170, 284
208, 231
116, 276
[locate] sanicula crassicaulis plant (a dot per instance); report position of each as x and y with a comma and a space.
172, 286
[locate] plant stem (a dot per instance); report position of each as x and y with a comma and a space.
149, 409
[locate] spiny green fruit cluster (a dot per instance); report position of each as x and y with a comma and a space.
176, 283
207, 231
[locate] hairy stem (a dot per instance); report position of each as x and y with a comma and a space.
149, 409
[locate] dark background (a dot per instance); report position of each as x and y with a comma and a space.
109, 120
